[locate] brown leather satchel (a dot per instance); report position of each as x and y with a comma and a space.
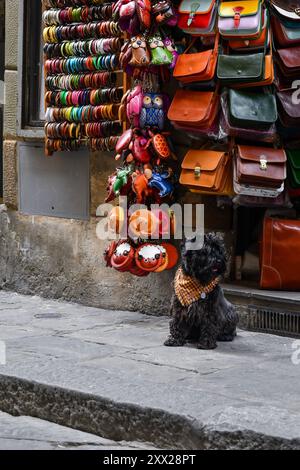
288, 60
207, 172
280, 254
194, 109
197, 67
260, 166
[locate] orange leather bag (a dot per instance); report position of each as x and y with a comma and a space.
197, 67
280, 254
207, 172
194, 109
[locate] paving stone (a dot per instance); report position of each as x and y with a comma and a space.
27, 433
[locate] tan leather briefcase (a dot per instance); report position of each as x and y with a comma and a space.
207, 171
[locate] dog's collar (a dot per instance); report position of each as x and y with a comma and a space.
189, 290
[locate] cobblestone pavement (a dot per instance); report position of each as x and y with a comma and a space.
183, 396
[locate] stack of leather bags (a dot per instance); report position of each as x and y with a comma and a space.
285, 19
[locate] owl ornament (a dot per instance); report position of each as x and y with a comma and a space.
160, 55
153, 111
170, 46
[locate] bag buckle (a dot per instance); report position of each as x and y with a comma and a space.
297, 11
194, 8
237, 16
263, 163
197, 171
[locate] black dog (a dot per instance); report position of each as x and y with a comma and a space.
199, 309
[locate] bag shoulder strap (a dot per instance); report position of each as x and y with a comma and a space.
215, 48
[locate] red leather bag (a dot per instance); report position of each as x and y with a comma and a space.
196, 18
288, 60
280, 254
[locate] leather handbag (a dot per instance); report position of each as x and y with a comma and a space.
289, 112
253, 110
251, 44
246, 68
194, 109
260, 166
197, 18
288, 60
294, 168
228, 129
207, 172
284, 36
280, 254
244, 18
197, 67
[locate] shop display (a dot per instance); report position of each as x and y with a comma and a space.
83, 92
237, 88
236, 64
147, 167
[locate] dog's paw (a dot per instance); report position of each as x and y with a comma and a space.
171, 341
226, 338
207, 344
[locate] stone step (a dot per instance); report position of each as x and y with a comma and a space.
107, 373
27, 433
251, 301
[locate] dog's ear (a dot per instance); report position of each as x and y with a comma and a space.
186, 241
213, 238
217, 243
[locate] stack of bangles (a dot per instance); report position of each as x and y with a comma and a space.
105, 145
83, 93
57, 145
101, 29
83, 113
81, 81
83, 48
82, 64
71, 3
64, 130
77, 15
84, 97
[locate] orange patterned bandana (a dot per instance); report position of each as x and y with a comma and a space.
189, 290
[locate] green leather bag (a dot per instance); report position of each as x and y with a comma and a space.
241, 68
252, 110
294, 168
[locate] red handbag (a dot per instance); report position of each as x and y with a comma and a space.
197, 18
280, 254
